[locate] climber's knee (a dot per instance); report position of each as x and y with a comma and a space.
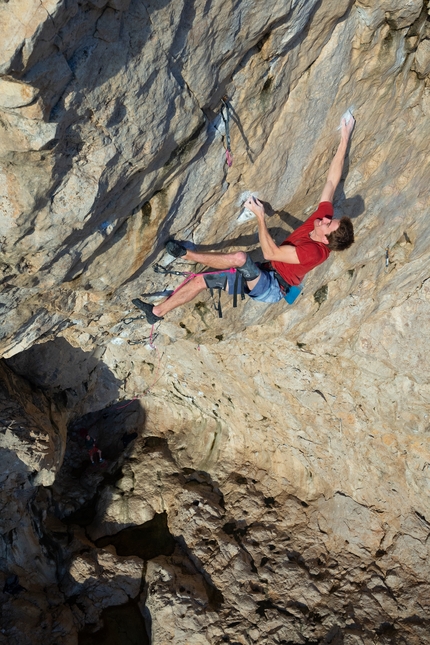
249, 269
239, 258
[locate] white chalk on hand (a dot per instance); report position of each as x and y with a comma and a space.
347, 116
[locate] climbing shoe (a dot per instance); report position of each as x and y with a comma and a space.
175, 249
147, 310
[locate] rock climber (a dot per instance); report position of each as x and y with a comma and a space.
286, 265
90, 445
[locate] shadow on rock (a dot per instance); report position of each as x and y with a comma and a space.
76, 380
121, 624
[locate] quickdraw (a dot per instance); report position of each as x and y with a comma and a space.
142, 341
225, 115
159, 269
128, 321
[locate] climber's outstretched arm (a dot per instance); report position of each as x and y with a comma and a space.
336, 166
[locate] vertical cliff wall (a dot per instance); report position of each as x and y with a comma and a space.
278, 489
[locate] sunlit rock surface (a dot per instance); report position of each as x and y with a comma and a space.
277, 488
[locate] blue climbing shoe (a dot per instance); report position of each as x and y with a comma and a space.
147, 310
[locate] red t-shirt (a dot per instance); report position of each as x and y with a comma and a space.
310, 253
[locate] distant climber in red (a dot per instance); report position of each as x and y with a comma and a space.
285, 265
90, 445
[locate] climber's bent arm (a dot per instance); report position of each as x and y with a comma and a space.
271, 251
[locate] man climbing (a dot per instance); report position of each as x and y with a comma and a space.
90, 445
286, 265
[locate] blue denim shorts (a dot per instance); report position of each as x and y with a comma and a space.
267, 288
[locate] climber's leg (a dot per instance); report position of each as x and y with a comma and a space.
238, 259
185, 294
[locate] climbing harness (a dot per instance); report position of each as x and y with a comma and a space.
189, 276
225, 115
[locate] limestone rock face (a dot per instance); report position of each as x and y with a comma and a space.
33, 430
265, 475
32, 443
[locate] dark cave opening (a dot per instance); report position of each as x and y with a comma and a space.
122, 625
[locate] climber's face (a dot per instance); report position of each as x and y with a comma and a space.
324, 227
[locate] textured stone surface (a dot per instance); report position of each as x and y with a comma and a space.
277, 489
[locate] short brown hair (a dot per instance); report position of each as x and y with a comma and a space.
342, 237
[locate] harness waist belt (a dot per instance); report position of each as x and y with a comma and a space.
282, 282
